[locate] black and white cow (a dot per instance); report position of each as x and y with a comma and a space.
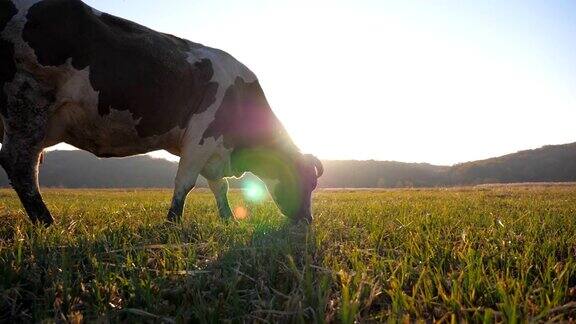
69, 73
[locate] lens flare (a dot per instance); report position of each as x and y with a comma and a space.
240, 213
254, 191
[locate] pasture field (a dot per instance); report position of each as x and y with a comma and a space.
502, 254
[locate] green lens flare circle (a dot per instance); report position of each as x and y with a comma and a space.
254, 191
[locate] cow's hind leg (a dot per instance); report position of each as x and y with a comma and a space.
22, 169
220, 190
25, 129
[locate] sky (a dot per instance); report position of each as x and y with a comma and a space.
415, 81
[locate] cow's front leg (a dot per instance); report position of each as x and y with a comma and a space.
191, 163
220, 190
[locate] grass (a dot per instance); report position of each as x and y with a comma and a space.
504, 254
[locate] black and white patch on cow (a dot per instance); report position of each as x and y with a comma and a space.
73, 74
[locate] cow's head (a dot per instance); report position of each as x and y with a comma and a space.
290, 178
292, 187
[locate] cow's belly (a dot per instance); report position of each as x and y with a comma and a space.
113, 135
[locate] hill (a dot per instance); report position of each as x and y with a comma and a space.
554, 163
80, 169
382, 174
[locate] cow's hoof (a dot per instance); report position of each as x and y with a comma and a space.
45, 220
174, 218
302, 221
227, 216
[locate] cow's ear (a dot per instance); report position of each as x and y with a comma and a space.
317, 164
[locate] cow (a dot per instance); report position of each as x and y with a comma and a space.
72, 74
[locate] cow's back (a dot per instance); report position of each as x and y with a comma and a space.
132, 68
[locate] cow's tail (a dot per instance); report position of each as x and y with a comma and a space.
1, 129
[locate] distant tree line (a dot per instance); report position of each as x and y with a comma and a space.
557, 163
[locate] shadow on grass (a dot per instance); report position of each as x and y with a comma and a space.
197, 272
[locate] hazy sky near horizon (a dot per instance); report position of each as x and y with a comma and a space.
415, 81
